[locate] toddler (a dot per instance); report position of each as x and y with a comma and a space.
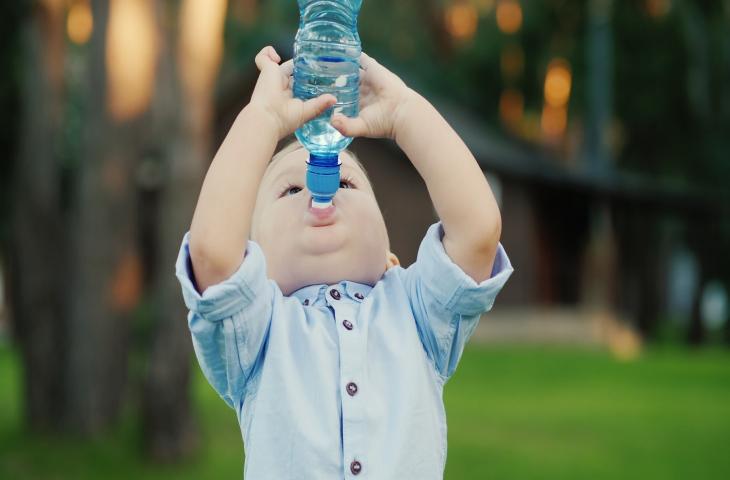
333, 356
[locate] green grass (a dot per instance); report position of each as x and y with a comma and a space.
513, 413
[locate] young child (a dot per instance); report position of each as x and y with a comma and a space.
333, 356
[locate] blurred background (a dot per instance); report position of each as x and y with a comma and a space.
603, 127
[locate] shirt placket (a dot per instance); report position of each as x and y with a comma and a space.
352, 381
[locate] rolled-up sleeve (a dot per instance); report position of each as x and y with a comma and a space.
230, 321
446, 302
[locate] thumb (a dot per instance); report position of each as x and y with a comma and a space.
315, 106
350, 127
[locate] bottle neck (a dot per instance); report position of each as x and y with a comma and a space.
342, 12
324, 159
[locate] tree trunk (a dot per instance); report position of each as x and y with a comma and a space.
181, 135
104, 255
37, 263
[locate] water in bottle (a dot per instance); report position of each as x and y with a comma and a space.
326, 60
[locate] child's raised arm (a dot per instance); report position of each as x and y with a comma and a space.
460, 192
222, 219
457, 186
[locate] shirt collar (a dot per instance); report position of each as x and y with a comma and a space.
311, 293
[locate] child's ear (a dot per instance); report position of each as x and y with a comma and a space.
391, 260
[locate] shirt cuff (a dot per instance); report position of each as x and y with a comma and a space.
451, 286
228, 297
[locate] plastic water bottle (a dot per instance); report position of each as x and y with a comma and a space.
326, 60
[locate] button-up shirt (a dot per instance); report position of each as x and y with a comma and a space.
343, 380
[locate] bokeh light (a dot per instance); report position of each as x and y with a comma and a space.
558, 82
461, 20
80, 22
509, 16
657, 8
131, 57
554, 120
201, 43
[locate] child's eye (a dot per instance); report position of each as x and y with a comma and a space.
290, 189
347, 182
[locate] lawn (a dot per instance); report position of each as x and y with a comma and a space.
513, 413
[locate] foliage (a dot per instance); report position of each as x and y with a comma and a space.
656, 129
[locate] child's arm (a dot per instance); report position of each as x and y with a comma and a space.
222, 219
460, 192
460, 267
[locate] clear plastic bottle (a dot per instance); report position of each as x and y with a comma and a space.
326, 60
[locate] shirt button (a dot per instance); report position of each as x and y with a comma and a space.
355, 467
359, 296
335, 294
347, 324
351, 389
306, 301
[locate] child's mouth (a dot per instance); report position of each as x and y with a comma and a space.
321, 216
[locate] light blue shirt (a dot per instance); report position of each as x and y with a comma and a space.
343, 380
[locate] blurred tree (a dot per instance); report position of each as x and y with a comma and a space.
38, 264
104, 260
76, 272
179, 148
11, 23
73, 268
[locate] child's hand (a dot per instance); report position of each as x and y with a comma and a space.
382, 96
273, 95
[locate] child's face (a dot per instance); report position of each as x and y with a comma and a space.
302, 249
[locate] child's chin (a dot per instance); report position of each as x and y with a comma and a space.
322, 240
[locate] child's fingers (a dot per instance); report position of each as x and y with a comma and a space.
262, 59
363, 75
271, 52
314, 106
288, 67
266, 56
350, 127
366, 61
